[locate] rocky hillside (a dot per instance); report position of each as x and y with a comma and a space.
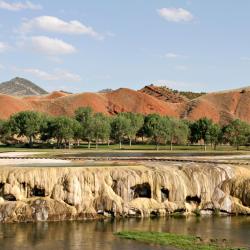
170, 95
59, 103
221, 107
164, 94
21, 87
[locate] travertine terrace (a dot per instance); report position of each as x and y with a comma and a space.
67, 193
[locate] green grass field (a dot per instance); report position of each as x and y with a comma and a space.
126, 147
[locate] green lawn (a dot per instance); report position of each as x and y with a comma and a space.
126, 147
138, 148
185, 242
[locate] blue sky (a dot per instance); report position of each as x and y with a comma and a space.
91, 45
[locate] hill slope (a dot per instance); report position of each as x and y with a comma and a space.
59, 103
221, 107
21, 87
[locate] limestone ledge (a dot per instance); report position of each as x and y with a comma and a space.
67, 193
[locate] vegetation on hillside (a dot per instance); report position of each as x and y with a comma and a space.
189, 94
63, 131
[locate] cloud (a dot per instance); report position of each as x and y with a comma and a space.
175, 15
56, 25
171, 55
51, 46
3, 47
17, 6
56, 75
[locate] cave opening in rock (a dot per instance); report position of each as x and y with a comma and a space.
141, 190
115, 186
9, 197
1, 188
154, 213
23, 185
36, 191
164, 194
193, 199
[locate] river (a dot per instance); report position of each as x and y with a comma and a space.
98, 235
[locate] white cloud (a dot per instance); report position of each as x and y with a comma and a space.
56, 75
172, 55
39, 74
175, 14
51, 46
19, 6
67, 76
1, 67
3, 47
56, 25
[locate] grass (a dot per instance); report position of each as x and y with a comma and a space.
184, 242
145, 149
126, 147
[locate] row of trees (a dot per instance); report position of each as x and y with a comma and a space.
97, 127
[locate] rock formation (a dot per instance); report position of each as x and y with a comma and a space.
21, 87
66, 193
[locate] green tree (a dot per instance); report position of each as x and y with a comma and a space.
215, 135
178, 131
101, 128
157, 128
26, 123
237, 133
5, 130
85, 116
136, 123
119, 128
200, 130
62, 128
77, 132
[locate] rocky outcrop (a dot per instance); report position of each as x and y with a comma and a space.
66, 193
21, 87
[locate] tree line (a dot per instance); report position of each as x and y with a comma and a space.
90, 127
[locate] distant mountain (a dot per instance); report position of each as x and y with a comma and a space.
21, 87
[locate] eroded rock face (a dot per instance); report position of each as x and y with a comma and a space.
66, 193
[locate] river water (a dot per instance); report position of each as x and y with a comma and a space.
98, 235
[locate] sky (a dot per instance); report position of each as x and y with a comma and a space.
89, 45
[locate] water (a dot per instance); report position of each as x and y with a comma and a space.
98, 235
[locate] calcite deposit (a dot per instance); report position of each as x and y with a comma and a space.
149, 189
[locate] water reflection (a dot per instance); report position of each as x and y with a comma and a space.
90, 235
